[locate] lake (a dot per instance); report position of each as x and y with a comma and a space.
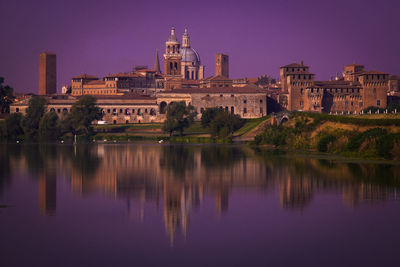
194, 205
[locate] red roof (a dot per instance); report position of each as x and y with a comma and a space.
85, 76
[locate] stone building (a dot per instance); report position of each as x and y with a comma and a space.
248, 101
140, 80
129, 108
355, 91
47, 73
394, 84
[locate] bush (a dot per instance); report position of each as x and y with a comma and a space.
13, 127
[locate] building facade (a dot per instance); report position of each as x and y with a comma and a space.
356, 90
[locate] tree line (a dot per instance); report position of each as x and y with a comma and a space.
220, 123
40, 125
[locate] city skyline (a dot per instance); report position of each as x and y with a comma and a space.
259, 37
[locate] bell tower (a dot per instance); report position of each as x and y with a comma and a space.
172, 56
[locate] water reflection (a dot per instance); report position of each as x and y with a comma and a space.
176, 178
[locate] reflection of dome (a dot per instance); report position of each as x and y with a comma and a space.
189, 55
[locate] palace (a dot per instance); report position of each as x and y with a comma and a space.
355, 91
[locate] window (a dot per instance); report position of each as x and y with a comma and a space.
120, 110
145, 111
261, 110
17, 110
126, 122
360, 104
201, 110
378, 102
301, 103
114, 122
108, 110
232, 110
133, 111
220, 95
261, 101
245, 110
232, 95
226, 109
139, 112
245, 101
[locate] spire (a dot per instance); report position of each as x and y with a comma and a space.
172, 37
185, 39
157, 63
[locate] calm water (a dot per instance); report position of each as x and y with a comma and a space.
161, 205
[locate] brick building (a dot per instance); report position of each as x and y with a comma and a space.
47, 73
355, 91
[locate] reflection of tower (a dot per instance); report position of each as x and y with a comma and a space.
48, 192
296, 192
221, 199
172, 207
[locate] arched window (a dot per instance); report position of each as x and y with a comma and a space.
170, 66
192, 75
173, 49
152, 112
163, 107
176, 65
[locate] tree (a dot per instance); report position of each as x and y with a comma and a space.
6, 97
179, 116
225, 123
84, 111
13, 126
49, 129
208, 115
34, 112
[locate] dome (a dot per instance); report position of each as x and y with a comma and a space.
189, 55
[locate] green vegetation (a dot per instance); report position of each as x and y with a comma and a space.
220, 122
13, 127
34, 112
79, 120
49, 128
249, 125
179, 116
37, 125
6, 97
359, 120
307, 132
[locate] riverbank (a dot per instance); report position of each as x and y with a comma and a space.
370, 137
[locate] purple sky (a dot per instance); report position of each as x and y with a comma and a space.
102, 37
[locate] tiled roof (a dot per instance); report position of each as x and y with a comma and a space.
95, 82
123, 75
85, 76
294, 65
217, 78
125, 97
355, 65
372, 72
218, 90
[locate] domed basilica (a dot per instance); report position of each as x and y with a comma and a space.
182, 61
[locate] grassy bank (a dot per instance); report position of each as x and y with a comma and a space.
350, 136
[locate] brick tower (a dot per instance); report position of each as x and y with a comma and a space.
222, 65
47, 74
